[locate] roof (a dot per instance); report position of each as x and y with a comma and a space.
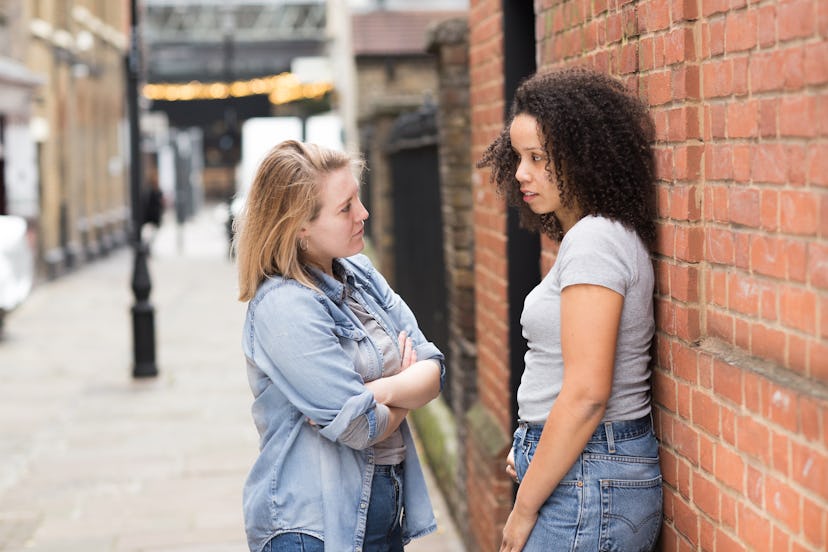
394, 32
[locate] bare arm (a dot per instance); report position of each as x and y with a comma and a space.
412, 388
395, 418
590, 317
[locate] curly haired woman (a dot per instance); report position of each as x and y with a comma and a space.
576, 159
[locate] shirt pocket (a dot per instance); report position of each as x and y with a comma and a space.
360, 347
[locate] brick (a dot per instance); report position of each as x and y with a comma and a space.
720, 162
717, 287
728, 423
810, 417
664, 391
755, 486
718, 78
781, 455
797, 168
742, 119
743, 206
725, 541
729, 515
814, 522
783, 504
687, 162
817, 255
796, 19
705, 412
727, 382
720, 324
766, 22
768, 343
769, 210
798, 212
685, 440
768, 301
740, 31
753, 438
818, 360
766, 256
741, 162
797, 116
815, 68
684, 283
685, 519
817, 156
809, 468
707, 454
686, 84
768, 112
719, 246
742, 294
730, 469
706, 496
798, 309
754, 528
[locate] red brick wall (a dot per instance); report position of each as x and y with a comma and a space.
739, 93
489, 491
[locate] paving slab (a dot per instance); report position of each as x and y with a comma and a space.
94, 460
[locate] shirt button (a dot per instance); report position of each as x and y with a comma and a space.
363, 506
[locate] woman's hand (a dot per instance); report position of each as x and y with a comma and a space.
517, 530
510, 465
407, 352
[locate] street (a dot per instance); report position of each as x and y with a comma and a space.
94, 460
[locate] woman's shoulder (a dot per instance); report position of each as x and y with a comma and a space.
283, 292
595, 230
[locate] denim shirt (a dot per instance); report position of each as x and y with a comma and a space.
302, 347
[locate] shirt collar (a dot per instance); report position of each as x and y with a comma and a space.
330, 286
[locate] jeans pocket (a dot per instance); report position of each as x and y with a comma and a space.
630, 514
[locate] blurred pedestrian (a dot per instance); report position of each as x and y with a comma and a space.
152, 207
335, 360
576, 158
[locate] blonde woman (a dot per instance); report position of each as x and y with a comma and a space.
335, 360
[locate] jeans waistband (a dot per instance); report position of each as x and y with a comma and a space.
388, 469
608, 431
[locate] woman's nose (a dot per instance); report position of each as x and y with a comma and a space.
521, 175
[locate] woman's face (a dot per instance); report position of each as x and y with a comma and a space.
539, 191
338, 231
539, 188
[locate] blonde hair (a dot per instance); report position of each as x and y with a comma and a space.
284, 196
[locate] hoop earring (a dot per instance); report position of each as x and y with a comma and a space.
303, 244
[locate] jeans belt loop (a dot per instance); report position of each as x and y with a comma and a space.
610, 437
524, 429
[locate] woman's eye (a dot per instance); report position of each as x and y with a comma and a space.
346, 208
536, 158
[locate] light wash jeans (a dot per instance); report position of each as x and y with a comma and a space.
383, 532
611, 498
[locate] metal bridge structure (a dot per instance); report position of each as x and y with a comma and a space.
228, 40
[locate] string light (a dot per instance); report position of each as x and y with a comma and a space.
280, 89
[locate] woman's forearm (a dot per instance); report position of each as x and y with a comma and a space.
395, 418
566, 432
412, 388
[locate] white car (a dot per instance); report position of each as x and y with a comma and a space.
16, 264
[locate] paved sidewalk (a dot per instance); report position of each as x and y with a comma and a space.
94, 461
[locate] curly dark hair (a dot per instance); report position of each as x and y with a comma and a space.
598, 139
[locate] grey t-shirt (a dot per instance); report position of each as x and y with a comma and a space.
602, 252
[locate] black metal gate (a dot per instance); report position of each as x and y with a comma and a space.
419, 267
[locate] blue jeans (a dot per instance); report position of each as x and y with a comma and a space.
294, 542
383, 529
610, 500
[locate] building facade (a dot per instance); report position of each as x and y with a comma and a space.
78, 125
739, 94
